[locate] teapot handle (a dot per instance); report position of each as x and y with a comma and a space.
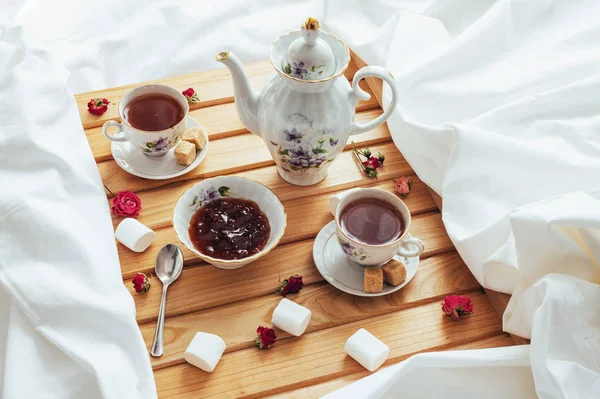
359, 94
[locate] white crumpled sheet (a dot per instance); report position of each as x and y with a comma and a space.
67, 323
498, 113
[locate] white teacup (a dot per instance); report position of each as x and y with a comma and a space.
367, 254
151, 143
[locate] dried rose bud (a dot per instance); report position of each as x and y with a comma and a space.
367, 152
141, 283
372, 163
126, 204
291, 285
457, 306
403, 186
265, 338
191, 96
380, 158
98, 106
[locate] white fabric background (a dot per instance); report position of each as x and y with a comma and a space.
498, 113
68, 326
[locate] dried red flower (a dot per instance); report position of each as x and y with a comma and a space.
403, 186
457, 306
372, 162
265, 338
127, 204
141, 283
190, 95
291, 285
98, 106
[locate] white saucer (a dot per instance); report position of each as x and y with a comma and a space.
345, 275
133, 161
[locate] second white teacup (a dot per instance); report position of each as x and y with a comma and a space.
150, 142
370, 254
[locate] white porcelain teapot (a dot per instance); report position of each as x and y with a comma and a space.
306, 111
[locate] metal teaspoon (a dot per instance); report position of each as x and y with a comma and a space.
169, 263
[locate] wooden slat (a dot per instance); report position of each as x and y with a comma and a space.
318, 357
213, 87
228, 155
220, 121
319, 390
437, 277
343, 174
428, 227
159, 205
202, 287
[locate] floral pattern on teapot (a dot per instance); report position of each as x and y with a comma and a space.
299, 71
306, 145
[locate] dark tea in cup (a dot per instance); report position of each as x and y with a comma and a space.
372, 221
153, 112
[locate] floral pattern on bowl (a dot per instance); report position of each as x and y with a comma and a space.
351, 251
210, 194
306, 145
300, 71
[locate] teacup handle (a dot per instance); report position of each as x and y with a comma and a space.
334, 200
119, 134
407, 252
359, 94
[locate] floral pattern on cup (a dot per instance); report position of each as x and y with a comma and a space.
209, 195
300, 71
162, 144
306, 144
350, 250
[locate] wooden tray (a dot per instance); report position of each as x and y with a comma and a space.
233, 303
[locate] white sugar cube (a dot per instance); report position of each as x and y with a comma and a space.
134, 235
366, 349
205, 351
291, 317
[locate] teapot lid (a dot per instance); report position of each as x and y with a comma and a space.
309, 57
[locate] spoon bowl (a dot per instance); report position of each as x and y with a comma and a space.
169, 263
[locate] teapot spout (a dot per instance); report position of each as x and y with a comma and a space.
246, 98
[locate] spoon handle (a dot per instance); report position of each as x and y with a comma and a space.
157, 345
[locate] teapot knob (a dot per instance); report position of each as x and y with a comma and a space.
310, 31
309, 57
311, 23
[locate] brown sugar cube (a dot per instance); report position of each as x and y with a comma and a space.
373, 279
185, 153
195, 136
394, 272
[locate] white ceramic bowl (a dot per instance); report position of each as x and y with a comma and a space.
231, 186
